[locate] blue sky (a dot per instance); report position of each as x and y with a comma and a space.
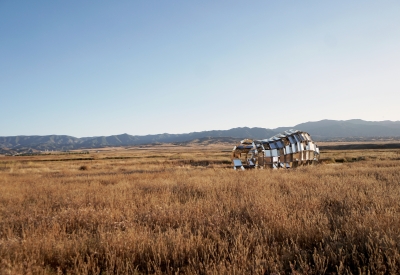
90, 68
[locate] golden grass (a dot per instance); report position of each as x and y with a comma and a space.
188, 212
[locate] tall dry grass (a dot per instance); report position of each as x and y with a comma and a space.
183, 213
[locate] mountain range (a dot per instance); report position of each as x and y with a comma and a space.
320, 131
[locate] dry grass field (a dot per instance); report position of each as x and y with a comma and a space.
186, 211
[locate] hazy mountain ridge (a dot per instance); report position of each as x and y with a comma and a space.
328, 129
319, 130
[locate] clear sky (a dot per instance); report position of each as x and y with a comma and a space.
90, 68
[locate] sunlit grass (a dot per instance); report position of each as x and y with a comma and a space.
190, 213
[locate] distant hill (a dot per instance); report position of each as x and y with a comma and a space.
319, 130
355, 128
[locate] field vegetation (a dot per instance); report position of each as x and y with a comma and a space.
179, 211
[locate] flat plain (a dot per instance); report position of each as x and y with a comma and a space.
184, 210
